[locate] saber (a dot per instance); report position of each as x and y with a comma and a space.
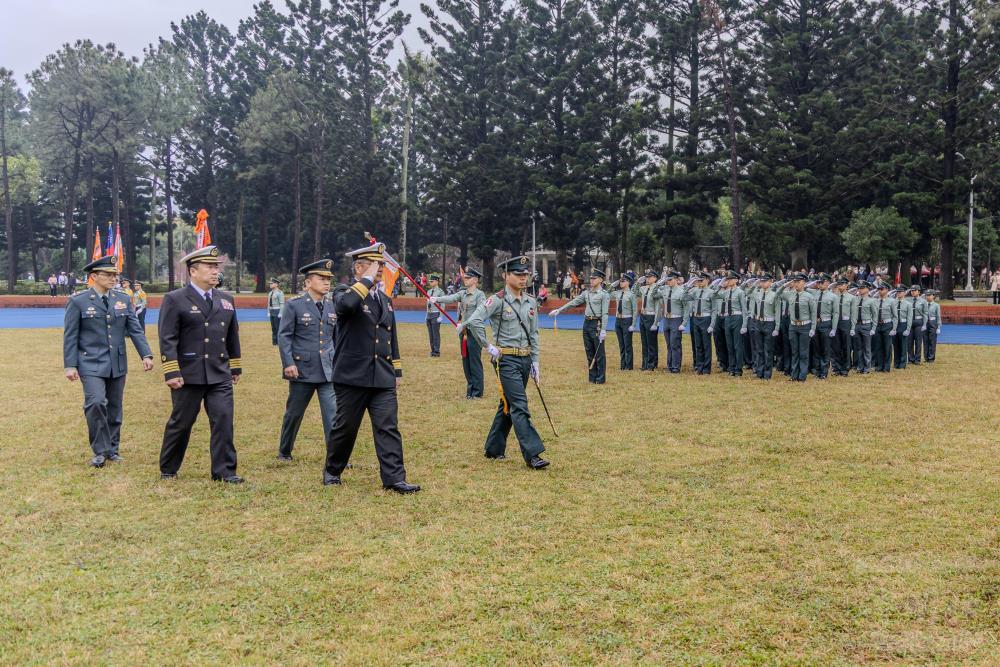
545, 407
503, 396
594, 360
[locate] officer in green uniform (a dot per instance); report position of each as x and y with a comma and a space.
885, 328
933, 326
275, 302
433, 314
731, 302
649, 300
596, 304
904, 327
470, 297
515, 354
95, 325
701, 318
802, 325
626, 312
843, 318
919, 306
865, 318
764, 302
826, 327
673, 302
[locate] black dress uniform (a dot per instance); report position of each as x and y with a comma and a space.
306, 338
366, 366
94, 333
200, 342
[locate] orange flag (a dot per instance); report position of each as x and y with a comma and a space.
203, 237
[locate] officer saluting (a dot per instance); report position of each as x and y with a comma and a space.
94, 330
596, 302
200, 351
305, 343
515, 352
470, 298
366, 373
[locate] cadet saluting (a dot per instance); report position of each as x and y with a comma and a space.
731, 302
802, 310
306, 340
626, 312
200, 351
673, 300
596, 302
94, 330
513, 314
471, 297
702, 315
366, 373
433, 316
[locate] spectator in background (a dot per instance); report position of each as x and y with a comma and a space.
139, 301
53, 283
995, 287
275, 302
543, 294
63, 283
567, 283
71, 281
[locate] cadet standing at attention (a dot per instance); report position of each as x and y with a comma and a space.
515, 354
469, 297
933, 326
845, 315
826, 327
306, 340
200, 351
903, 311
94, 329
649, 298
366, 373
802, 325
702, 322
433, 315
275, 302
919, 307
673, 299
596, 302
731, 302
626, 313
885, 329
764, 302
865, 319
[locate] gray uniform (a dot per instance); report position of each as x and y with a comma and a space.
919, 306
306, 340
94, 331
433, 325
472, 361
596, 304
701, 313
626, 314
904, 329
275, 302
673, 308
648, 297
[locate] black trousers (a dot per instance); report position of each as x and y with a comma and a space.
142, 317
218, 400
514, 375
701, 342
734, 343
820, 349
861, 346
882, 348
762, 337
916, 340
996, 298
930, 342
472, 366
275, 322
594, 347
102, 406
622, 325
798, 338
840, 352
381, 405
434, 335
786, 346
299, 396
721, 351
673, 338
650, 343
900, 351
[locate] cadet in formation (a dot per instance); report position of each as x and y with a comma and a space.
649, 305
366, 373
885, 328
515, 355
94, 329
306, 340
702, 315
802, 325
626, 314
275, 302
826, 327
903, 311
200, 351
470, 297
731, 304
596, 302
433, 316
865, 322
919, 307
844, 318
933, 326
764, 303
673, 304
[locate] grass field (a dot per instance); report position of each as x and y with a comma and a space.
685, 520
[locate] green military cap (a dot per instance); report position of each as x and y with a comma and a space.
274, 281
107, 264
626, 276
730, 275
705, 275
899, 287
473, 271
765, 276
373, 252
916, 288
799, 276
518, 265
842, 281
597, 273
207, 255
824, 277
434, 276
674, 274
932, 292
321, 267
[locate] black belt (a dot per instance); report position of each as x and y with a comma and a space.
591, 318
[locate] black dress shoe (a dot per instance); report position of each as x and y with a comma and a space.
497, 457
168, 475
330, 480
284, 457
115, 457
402, 487
537, 463
233, 479
97, 461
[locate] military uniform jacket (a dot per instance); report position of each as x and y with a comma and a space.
200, 345
885, 311
507, 330
431, 308
731, 302
306, 339
807, 307
764, 304
469, 301
826, 305
866, 311
934, 317
595, 305
847, 306
903, 310
94, 336
275, 301
626, 303
367, 350
673, 299
701, 303
649, 298
919, 306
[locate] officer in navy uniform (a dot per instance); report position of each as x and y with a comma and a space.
200, 351
306, 341
366, 373
95, 325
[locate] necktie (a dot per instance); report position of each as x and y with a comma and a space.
861, 308
670, 298
319, 305
104, 298
841, 305
881, 303
729, 306
700, 292
208, 299
798, 318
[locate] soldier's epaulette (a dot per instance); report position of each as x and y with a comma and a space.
293, 298
499, 294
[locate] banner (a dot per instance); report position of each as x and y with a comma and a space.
203, 237
119, 255
390, 274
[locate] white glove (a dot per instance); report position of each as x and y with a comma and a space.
833, 333
743, 331
536, 371
494, 352
602, 335
775, 333
811, 333
923, 328
460, 328
440, 319
852, 333
432, 299
655, 327
680, 329
553, 313
906, 333
892, 333
631, 329
709, 330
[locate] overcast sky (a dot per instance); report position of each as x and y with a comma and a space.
32, 29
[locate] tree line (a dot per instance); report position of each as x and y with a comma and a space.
788, 133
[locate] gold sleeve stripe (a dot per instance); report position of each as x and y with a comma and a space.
397, 363
361, 290
171, 366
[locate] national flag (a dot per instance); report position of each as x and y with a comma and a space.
109, 245
899, 273
118, 250
203, 237
97, 254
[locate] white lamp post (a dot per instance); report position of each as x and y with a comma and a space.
972, 202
